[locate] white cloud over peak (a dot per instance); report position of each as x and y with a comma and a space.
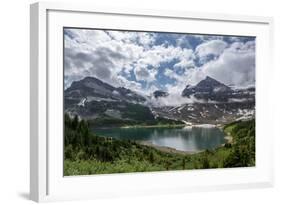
236, 65
213, 47
173, 99
136, 59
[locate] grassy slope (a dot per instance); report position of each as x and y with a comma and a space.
130, 115
87, 154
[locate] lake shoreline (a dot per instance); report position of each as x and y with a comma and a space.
168, 149
227, 137
153, 126
174, 126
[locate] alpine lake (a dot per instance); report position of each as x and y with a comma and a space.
187, 139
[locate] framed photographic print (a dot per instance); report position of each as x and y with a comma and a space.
127, 102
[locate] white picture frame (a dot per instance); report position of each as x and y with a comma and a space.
46, 179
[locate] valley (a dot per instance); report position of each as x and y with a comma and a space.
208, 102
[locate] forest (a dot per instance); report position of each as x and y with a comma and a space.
86, 153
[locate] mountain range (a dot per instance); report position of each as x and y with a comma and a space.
216, 103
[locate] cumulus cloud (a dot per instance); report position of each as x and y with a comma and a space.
236, 65
135, 59
145, 74
173, 99
106, 54
96, 53
210, 48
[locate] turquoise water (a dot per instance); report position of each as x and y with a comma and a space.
184, 139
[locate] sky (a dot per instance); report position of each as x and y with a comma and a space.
149, 61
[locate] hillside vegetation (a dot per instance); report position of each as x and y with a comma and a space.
86, 153
130, 115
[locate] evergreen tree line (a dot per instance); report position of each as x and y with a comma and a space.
87, 153
81, 144
243, 148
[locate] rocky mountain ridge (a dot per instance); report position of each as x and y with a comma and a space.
91, 98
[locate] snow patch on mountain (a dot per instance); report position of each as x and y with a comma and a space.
82, 102
237, 100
